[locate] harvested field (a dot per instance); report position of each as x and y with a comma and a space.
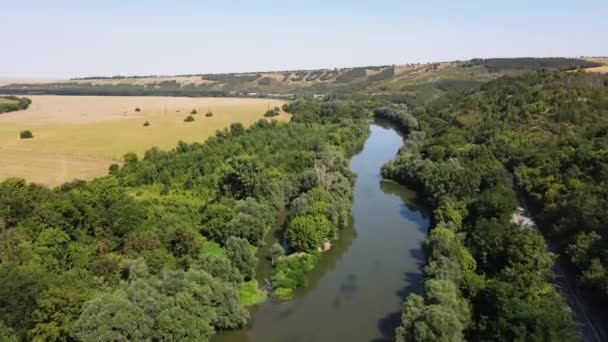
80, 136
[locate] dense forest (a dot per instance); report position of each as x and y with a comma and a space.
163, 248
542, 133
13, 103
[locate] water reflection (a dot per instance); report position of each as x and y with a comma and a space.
355, 293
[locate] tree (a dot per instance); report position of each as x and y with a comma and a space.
275, 252
241, 256
57, 309
177, 324
19, 289
184, 241
584, 248
51, 249
111, 317
242, 176
189, 118
307, 233
27, 134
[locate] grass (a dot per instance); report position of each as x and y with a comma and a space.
81, 136
213, 248
250, 294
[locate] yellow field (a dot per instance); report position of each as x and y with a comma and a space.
80, 136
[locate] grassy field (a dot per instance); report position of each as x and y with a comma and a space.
80, 136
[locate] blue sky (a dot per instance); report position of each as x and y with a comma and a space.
88, 37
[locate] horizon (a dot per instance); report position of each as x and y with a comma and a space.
34, 79
69, 39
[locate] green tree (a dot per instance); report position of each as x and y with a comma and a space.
241, 256
51, 249
308, 233
111, 318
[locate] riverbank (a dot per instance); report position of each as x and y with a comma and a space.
356, 290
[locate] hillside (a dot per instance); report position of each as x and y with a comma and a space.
422, 80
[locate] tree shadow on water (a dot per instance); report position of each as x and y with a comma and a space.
413, 284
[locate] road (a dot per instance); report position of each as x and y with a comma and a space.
590, 330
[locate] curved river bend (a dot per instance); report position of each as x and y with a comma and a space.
356, 291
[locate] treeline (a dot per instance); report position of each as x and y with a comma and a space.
164, 247
486, 278
13, 103
530, 63
171, 88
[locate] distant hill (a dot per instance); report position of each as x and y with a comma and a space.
422, 80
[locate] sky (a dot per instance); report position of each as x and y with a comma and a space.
64, 39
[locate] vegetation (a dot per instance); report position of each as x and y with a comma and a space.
193, 112
26, 134
189, 118
487, 278
103, 137
272, 112
146, 123
209, 114
13, 103
163, 248
506, 64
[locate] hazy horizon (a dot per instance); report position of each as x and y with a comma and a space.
68, 39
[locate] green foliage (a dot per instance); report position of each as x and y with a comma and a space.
308, 233
272, 112
160, 248
146, 123
189, 118
14, 103
241, 256
290, 274
505, 64
460, 161
250, 294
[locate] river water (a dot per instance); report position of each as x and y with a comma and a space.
356, 291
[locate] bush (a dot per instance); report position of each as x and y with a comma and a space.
137, 109
15, 103
194, 112
189, 118
272, 112
27, 134
146, 124
209, 114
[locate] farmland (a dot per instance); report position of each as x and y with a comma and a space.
80, 136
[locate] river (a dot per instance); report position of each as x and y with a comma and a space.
356, 291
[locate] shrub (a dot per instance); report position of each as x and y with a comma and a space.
194, 112
272, 112
209, 114
27, 134
146, 124
137, 109
189, 118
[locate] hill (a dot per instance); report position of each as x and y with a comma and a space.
421, 80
